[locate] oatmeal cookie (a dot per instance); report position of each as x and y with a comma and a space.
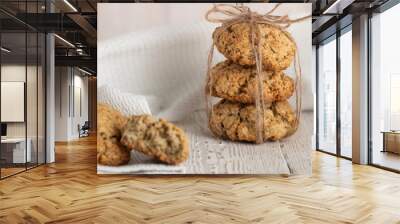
109, 149
276, 48
236, 121
239, 83
156, 137
111, 153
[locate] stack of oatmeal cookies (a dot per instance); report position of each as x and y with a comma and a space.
235, 80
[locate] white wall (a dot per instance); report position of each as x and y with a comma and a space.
80, 83
67, 115
62, 81
17, 73
14, 73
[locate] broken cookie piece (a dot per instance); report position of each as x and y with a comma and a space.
157, 138
110, 151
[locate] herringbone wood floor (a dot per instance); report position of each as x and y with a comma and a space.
69, 191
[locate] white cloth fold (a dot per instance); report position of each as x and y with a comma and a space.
126, 103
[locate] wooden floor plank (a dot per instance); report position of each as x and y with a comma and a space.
70, 191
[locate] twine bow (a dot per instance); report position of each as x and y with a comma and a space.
234, 14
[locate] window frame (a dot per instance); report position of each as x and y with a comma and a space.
27, 29
334, 37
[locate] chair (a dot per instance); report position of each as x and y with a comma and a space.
84, 130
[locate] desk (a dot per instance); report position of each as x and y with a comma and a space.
391, 141
13, 150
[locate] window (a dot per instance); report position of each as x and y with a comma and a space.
333, 106
385, 89
327, 97
346, 93
394, 102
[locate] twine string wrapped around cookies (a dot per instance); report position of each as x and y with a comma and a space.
234, 14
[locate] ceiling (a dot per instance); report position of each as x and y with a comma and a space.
76, 22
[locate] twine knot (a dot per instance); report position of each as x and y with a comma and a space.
230, 14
